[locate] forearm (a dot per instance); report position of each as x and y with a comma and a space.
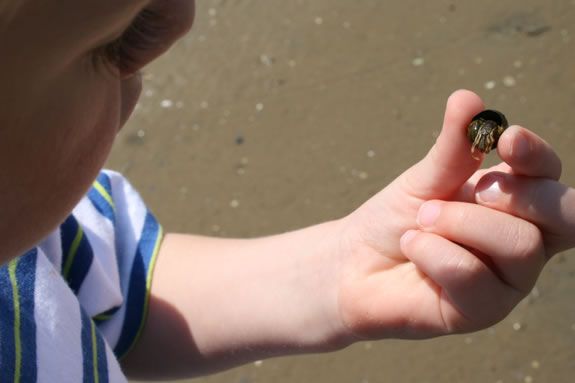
218, 303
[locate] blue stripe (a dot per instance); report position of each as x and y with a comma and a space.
102, 359
89, 370
87, 354
104, 180
7, 341
26, 277
99, 202
25, 281
81, 265
83, 256
67, 234
137, 293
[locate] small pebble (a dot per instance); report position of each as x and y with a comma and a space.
258, 363
489, 85
565, 35
212, 12
535, 364
266, 60
418, 61
509, 81
528, 379
167, 103
371, 153
259, 106
234, 203
517, 326
318, 20
141, 133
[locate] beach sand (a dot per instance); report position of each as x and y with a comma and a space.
273, 115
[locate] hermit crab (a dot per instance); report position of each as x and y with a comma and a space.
484, 131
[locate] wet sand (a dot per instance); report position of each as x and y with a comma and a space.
275, 115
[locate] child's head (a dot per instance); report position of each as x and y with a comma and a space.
68, 74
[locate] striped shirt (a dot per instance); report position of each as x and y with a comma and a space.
76, 303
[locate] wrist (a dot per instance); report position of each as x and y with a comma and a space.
288, 285
309, 319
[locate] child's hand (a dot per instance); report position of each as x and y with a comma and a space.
421, 259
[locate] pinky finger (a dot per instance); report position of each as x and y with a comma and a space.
476, 297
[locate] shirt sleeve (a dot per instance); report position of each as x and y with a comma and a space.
124, 237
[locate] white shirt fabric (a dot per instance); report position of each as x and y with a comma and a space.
77, 302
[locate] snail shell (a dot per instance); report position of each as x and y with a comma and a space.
485, 129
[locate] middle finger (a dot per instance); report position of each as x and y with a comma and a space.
514, 246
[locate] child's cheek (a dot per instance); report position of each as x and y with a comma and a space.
59, 141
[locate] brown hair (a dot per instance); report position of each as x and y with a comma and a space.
8, 9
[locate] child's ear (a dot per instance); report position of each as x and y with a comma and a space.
152, 32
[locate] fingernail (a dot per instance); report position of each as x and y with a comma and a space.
428, 213
521, 147
489, 191
407, 237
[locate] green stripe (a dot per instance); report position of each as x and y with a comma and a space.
94, 352
102, 317
152, 262
104, 193
73, 251
17, 341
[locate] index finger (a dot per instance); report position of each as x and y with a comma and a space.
528, 154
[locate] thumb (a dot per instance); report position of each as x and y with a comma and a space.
449, 163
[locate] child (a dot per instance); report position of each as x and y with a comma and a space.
76, 282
